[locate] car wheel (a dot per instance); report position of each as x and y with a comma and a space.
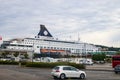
116, 72
82, 76
62, 76
54, 77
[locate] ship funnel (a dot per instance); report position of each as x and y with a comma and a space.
44, 32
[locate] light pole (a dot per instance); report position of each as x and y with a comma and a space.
85, 51
49, 50
33, 51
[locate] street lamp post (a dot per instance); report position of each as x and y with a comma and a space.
49, 49
85, 51
33, 51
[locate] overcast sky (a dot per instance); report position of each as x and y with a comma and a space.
94, 21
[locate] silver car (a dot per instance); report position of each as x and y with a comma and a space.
63, 72
117, 69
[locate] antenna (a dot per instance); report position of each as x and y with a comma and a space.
70, 38
78, 37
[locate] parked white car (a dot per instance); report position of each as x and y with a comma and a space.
86, 61
63, 72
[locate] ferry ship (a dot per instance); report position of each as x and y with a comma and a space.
45, 45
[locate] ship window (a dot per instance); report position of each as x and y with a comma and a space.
54, 47
41, 47
37, 46
45, 47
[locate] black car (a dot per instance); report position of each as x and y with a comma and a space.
117, 69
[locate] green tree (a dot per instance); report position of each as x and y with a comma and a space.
117, 53
4, 54
99, 57
16, 54
26, 55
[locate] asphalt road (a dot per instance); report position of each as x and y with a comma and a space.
10, 72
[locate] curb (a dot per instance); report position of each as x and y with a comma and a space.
99, 70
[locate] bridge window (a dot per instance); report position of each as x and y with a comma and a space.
37, 46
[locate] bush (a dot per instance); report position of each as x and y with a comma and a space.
42, 64
51, 65
9, 62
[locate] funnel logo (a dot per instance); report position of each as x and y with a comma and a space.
45, 33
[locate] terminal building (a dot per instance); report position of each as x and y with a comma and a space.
45, 45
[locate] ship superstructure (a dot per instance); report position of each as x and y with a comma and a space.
45, 45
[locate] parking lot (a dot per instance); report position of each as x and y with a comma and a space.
10, 72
